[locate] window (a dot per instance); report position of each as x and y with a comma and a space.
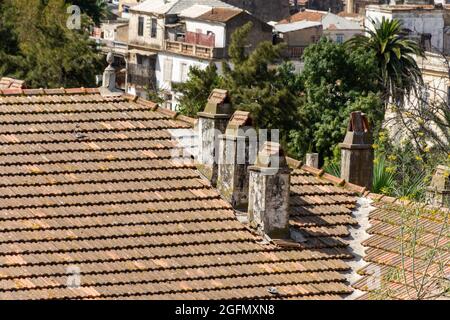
154, 28
340, 38
139, 59
184, 72
167, 74
448, 96
141, 26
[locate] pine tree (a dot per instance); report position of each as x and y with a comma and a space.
257, 85
48, 54
195, 91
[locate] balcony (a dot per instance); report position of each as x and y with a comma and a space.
190, 49
195, 45
142, 76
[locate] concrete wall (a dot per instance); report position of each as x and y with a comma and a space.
302, 37
177, 71
346, 34
146, 39
435, 75
260, 32
204, 27
418, 21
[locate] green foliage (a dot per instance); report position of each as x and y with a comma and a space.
394, 56
270, 93
44, 52
383, 177
410, 172
96, 9
336, 82
195, 91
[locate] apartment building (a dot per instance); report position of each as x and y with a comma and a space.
166, 38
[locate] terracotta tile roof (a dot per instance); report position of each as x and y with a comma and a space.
220, 14
89, 184
319, 209
391, 274
7, 83
305, 15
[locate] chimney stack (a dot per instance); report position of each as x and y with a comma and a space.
438, 193
312, 160
212, 123
269, 187
238, 147
108, 87
357, 152
350, 6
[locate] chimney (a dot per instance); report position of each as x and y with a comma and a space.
350, 6
212, 123
237, 149
269, 184
108, 87
438, 193
312, 160
357, 152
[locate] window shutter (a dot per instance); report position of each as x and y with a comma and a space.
167, 70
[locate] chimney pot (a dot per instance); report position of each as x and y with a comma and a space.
269, 188
237, 150
438, 193
108, 87
212, 123
357, 152
312, 160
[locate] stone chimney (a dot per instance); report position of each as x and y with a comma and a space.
269, 187
350, 6
438, 193
212, 123
312, 160
108, 87
357, 152
238, 147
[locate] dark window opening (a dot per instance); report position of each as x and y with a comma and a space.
141, 26
154, 28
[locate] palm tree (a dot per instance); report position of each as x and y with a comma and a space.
399, 72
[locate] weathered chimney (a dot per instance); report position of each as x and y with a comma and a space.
312, 160
357, 152
438, 193
350, 6
212, 123
108, 87
238, 147
269, 184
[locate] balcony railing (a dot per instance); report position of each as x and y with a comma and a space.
296, 51
191, 49
141, 75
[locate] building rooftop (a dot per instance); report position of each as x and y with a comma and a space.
294, 26
330, 21
90, 186
175, 6
220, 14
7, 83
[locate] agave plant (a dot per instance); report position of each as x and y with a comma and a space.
383, 179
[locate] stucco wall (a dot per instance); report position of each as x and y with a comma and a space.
146, 39
204, 27
418, 21
303, 37
260, 32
